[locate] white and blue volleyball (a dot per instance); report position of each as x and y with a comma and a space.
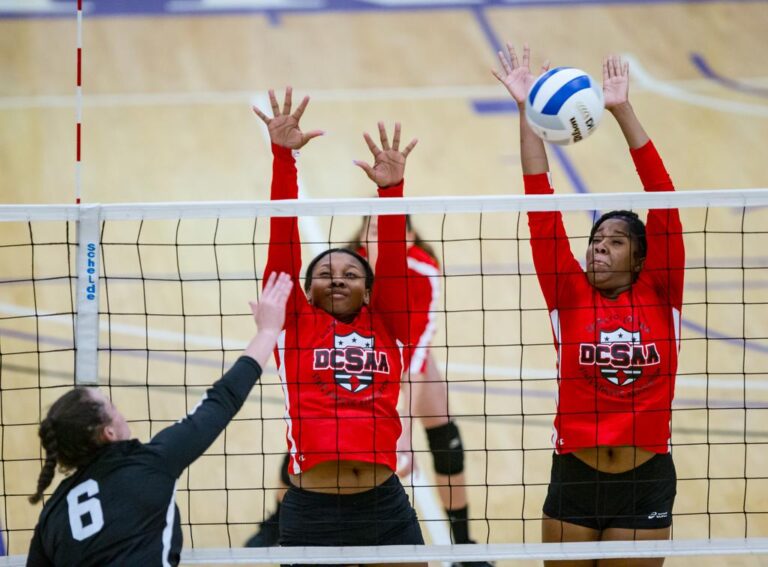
564, 105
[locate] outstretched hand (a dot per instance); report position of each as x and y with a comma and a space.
615, 81
284, 126
269, 312
388, 161
517, 76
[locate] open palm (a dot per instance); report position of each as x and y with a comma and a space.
516, 75
388, 161
284, 127
615, 81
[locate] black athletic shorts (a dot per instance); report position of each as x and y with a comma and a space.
381, 516
640, 498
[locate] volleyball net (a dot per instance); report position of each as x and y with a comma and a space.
151, 303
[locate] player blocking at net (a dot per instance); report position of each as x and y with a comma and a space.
424, 391
616, 329
340, 359
118, 506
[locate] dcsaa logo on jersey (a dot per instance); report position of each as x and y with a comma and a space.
354, 361
620, 355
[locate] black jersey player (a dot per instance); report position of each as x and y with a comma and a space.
117, 507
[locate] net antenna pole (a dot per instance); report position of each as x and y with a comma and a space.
87, 303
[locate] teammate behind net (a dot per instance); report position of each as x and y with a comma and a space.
342, 420
425, 391
616, 330
118, 505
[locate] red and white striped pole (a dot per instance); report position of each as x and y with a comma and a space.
79, 99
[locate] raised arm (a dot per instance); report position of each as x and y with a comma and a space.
552, 257
284, 253
180, 444
390, 294
665, 258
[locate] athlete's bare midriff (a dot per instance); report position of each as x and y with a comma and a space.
614, 459
342, 477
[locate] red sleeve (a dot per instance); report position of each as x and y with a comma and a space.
390, 290
553, 260
284, 253
665, 258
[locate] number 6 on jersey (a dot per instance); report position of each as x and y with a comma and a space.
78, 510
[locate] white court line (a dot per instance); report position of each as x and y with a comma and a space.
679, 89
464, 369
675, 92
249, 97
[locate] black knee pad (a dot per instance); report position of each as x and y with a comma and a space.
446, 448
286, 480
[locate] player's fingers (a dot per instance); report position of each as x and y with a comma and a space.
288, 100
512, 56
383, 137
371, 145
283, 288
365, 167
261, 115
273, 103
409, 148
505, 64
309, 135
299, 112
269, 286
396, 137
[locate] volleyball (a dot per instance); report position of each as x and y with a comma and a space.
564, 105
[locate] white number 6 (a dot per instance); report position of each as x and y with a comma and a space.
78, 510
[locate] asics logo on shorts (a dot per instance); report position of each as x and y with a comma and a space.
658, 515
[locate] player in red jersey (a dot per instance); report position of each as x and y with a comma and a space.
424, 390
340, 359
616, 330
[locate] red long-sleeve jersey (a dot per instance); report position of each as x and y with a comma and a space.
616, 358
423, 297
341, 381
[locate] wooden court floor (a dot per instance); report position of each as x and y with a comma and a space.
167, 117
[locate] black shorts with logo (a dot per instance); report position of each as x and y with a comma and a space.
380, 516
640, 498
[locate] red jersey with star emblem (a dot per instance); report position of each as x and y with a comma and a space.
341, 381
617, 358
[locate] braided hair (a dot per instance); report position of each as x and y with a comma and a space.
70, 435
